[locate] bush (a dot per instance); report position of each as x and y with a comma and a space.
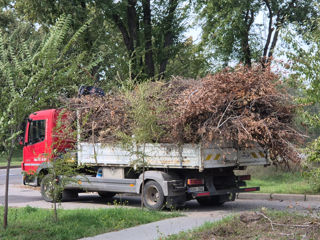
312, 164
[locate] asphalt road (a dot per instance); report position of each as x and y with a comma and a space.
15, 176
195, 215
20, 196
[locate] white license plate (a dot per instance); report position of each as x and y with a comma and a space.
196, 189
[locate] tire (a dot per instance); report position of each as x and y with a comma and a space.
153, 197
210, 201
40, 177
106, 194
46, 187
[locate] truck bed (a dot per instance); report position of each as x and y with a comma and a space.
192, 156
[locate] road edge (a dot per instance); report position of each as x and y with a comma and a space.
4, 167
278, 196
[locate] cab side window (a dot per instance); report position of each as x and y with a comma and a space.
37, 131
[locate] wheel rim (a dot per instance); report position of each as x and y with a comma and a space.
152, 196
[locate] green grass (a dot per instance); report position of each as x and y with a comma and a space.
34, 223
271, 180
15, 161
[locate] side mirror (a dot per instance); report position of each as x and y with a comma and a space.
21, 140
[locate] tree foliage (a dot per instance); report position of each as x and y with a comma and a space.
60, 174
146, 34
305, 78
235, 31
312, 165
304, 66
191, 61
34, 72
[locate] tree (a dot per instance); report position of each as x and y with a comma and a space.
59, 176
32, 73
145, 129
304, 66
234, 31
150, 30
190, 61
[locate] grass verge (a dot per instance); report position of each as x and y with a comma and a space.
272, 180
258, 226
15, 161
34, 223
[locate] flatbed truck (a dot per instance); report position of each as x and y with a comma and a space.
174, 173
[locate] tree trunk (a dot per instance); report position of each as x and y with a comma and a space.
168, 37
142, 187
125, 35
274, 42
249, 19
55, 213
264, 59
132, 22
149, 65
130, 33
54, 196
281, 16
6, 200
246, 51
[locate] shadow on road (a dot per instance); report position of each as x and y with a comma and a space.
19, 199
193, 206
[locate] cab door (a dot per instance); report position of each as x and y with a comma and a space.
37, 146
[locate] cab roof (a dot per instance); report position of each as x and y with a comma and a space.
43, 113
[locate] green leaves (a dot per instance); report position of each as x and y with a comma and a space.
305, 71
312, 170
305, 79
248, 30
35, 71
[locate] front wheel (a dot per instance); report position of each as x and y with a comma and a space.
48, 189
153, 197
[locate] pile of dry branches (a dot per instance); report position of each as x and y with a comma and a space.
242, 105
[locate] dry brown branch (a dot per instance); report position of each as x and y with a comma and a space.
306, 225
241, 106
263, 215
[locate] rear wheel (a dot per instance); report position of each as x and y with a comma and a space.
153, 197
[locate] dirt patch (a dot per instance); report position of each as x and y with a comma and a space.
265, 226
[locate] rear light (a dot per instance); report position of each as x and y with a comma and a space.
251, 189
244, 177
195, 181
203, 194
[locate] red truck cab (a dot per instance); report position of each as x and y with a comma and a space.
40, 140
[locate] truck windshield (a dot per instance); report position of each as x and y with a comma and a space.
37, 131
